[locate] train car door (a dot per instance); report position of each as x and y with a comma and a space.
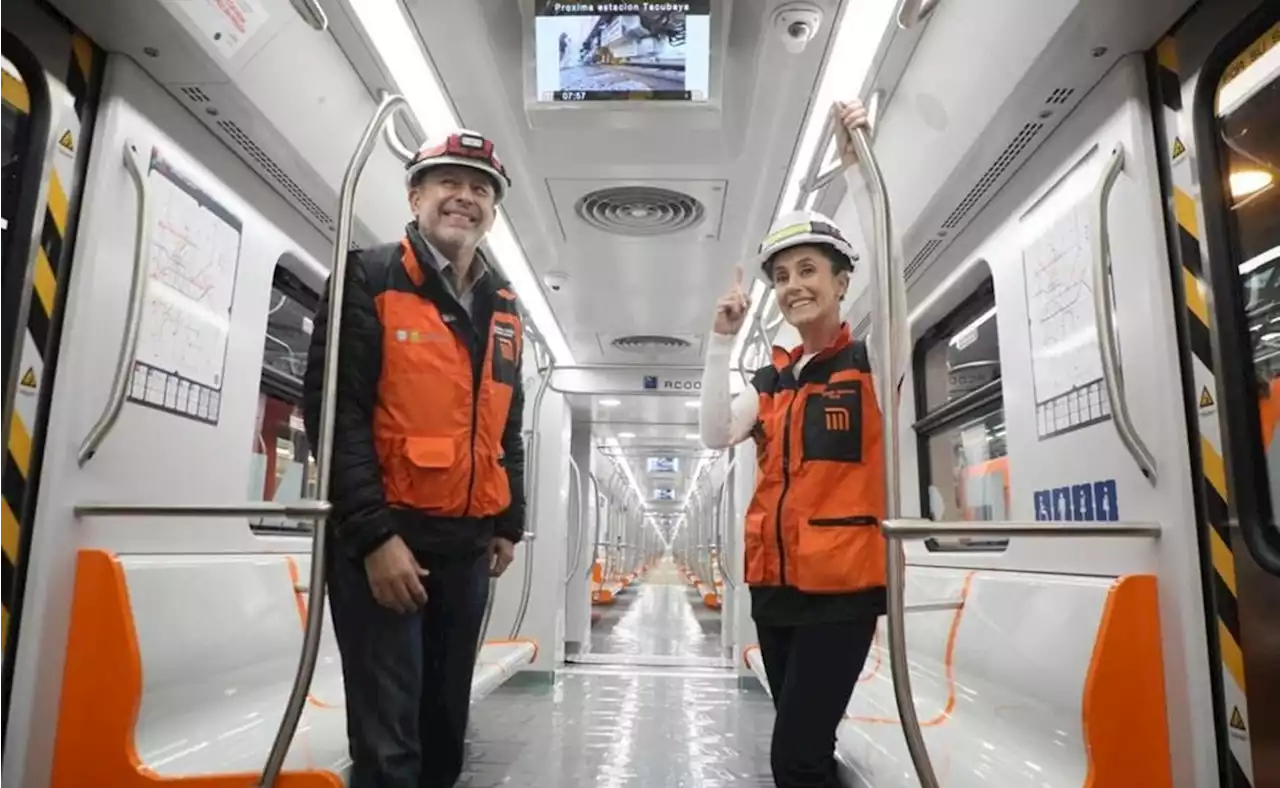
1216, 80
50, 72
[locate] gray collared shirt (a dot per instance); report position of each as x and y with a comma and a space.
444, 267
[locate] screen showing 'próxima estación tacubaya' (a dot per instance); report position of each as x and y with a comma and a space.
623, 51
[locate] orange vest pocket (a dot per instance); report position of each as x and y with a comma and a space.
838, 555
429, 475
430, 452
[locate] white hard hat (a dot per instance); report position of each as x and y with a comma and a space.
803, 227
463, 148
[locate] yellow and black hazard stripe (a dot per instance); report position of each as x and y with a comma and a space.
1187, 247
38, 345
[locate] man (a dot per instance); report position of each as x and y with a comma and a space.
427, 481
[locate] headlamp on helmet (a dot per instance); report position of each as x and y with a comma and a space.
462, 148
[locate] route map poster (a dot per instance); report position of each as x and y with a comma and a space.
193, 257
1066, 362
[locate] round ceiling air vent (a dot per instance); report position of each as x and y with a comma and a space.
641, 211
650, 343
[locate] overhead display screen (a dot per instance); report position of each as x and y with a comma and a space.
663, 465
645, 51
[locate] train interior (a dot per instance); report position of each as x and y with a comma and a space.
1076, 200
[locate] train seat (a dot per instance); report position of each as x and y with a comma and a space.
1018, 676
179, 667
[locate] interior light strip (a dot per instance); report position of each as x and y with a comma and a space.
626, 468
392, 37
851, 54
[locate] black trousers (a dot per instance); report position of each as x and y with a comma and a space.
408, 677
812, 670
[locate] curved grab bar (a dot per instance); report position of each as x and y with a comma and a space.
324, 451
1104, 306
891, 280
531, 499
133, 315
578, 520
312, 13
913, 12
391, 137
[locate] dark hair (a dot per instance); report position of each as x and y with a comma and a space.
839, 262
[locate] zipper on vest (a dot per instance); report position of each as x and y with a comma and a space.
782, 496
476, 377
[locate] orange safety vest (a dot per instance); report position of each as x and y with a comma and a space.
439, 418
814, 521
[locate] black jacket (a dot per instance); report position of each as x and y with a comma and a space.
361, 518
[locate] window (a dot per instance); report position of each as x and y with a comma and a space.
964, 465
282, 468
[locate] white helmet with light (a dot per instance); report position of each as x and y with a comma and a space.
798, 228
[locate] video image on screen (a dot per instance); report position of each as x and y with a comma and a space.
588, 51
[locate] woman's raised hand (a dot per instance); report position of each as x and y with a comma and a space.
731, 309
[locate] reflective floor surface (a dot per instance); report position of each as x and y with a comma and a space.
625, 725
661, 617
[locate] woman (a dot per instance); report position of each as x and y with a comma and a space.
814, 553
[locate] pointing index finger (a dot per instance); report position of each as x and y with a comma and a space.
737, 275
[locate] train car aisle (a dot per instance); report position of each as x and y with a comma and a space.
662, 617
631, 724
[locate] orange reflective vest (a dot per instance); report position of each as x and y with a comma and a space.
814, 521
439, 416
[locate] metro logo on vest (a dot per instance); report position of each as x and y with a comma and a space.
814, 522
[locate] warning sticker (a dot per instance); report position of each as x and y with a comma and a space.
1178, 148
67, 143
227, 25
1206, 397
28, 380
1237, 722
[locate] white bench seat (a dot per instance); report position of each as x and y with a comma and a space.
1018, 679
180, 666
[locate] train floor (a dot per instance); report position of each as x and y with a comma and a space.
624, 722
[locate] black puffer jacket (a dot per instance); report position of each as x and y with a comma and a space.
362, 519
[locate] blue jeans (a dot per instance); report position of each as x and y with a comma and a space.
408, 676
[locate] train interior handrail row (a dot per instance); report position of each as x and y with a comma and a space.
1056, 235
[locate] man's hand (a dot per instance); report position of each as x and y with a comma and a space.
850, 115
501, 553
395, 576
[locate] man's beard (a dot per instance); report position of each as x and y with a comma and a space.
451, 244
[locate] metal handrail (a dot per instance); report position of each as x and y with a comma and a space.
888, 272
1104, 306
578, 520
913, 12
298, 510
531, 496
324, 451
133, 314
910, 528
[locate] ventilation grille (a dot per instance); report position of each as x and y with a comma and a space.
195, 94
1060, 96
992, 175
922, 255
860, 330
650, 344
995, 174
639, 211
246, 143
